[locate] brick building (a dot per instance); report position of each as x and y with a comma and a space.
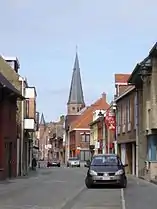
80, 129
144, 78
8, 128
51, 139
56, 140
126, 128
101, 138
9, 67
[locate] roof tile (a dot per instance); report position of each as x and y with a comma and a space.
87, 116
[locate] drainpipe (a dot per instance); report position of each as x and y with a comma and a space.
68, 144
22, 122
137, 133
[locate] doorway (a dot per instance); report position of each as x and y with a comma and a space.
8, 151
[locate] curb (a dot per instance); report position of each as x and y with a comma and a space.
153, 182
143, 178
150, 181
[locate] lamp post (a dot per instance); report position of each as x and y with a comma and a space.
114, 107
101, 115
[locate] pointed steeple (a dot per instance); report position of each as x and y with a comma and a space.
76, 92
42, 120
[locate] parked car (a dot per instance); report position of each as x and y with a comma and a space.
73, 162
106, 169
53, 163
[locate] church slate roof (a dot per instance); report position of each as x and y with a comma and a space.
76, 93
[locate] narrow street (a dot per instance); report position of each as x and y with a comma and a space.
63, 188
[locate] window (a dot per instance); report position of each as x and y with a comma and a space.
46, 140
105, 160
135, 111
73, 108
125, 112
123, 116
27, 107
119, 116
128, 111
85, 137
12, 64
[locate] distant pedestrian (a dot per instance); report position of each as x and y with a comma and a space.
34, 163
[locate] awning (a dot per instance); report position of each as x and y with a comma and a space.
4, 83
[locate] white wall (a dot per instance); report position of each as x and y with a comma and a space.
30, 93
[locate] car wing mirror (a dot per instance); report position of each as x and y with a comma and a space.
125, 165
88, 162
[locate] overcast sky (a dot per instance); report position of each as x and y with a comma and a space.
112, 36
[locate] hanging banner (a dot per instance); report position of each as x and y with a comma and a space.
110, 120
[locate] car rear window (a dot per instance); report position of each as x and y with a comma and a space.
73, 158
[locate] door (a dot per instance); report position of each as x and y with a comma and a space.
10, 160
8, 157
123, 153
84, 155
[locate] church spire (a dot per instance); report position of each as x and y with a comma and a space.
76, 92
42, 120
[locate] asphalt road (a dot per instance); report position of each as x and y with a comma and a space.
63, 188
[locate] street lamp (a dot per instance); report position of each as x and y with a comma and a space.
145, 69
114, 107
144, 74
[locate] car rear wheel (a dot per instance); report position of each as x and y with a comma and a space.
88, 184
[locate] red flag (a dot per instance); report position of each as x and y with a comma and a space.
110, 120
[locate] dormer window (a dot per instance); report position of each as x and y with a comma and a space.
12, 64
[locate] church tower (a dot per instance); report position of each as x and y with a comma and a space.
76, 98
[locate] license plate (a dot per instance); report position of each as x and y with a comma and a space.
105, 178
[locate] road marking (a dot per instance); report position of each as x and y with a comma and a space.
47, 181
123, 199
69, 201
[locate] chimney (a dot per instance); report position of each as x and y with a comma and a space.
104, 96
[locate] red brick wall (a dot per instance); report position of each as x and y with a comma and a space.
73, 140
79, 142
8, 137
76, 140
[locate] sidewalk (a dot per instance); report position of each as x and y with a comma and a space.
153, 181
11, 185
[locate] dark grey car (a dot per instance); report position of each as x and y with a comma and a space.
106, 169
